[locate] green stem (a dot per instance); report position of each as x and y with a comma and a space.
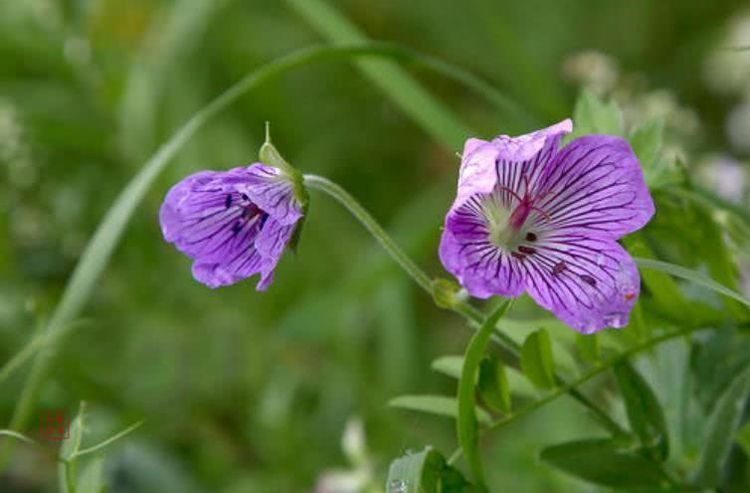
583, 378
423, 280
102, 244
372, 226
466, 422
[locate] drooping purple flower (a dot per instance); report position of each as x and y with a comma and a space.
233, 224
531, 216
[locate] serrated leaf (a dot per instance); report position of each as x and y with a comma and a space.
448, 365
435, 404
644, 411
536, 359
720, 430
425, 472
646, 142
604, 462
593, 116
493, 385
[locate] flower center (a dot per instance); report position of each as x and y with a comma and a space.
506, 220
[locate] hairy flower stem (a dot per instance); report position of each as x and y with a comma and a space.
475, 316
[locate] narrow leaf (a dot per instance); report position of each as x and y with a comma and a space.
435, 404
588, 347
603, 462
644, 411
466, 424
720, 430
536, 359
691, 276
493, 385
449, 365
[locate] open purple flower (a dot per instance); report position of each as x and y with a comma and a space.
530, 216
233, 224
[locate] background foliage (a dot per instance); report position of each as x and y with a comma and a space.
243, 391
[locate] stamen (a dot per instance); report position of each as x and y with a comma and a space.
559, 268
514, 194
245, 197
530, 236
517, 255
236, 227
543, 213
228, 201
526, 250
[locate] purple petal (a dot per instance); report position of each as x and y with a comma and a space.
505, 159
273, 192
595, 185
243, 265
467, 253
588, 283
234, 224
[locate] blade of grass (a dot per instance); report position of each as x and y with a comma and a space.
405, 92
99, 249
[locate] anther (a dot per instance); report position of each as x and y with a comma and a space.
526, 250
530, 236
519, 256
228, 201
558, 268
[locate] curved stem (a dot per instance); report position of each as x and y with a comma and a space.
372, 226
423, 280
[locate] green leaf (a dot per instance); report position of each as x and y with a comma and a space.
646, 142
588, 347
604, 462
644, 411
466, 423
536, 359
72, 445
449, 365
593, 116
742, 437
92, 477
691, 276
720, 430
435, 404
493, 385
425, 472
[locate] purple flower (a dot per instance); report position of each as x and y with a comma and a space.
530, 216
233, 224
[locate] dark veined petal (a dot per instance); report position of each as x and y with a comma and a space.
588, 283
273, 191
467, 253
504, 161
595, 185
204, 217
242, 265
219, 220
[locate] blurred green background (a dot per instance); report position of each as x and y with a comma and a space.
244, 391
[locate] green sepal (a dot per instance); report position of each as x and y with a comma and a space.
270, 156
